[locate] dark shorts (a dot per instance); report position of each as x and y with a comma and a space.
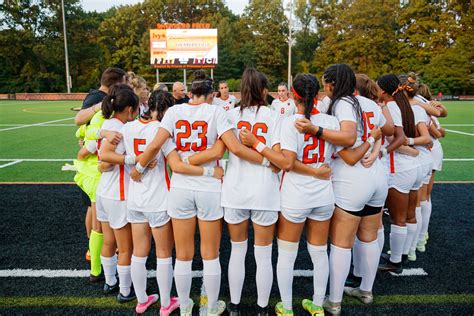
366, 211
86, 201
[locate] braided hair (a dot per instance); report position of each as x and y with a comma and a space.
343, 79
391, 85
159, 101
305, 89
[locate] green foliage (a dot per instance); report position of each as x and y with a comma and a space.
432, 38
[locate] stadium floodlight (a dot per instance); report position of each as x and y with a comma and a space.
68, 77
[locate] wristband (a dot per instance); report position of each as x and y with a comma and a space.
129, 160
411, 141
265, 162
185, 160
319, 133
139, 168
259, 147
383, 151
208, 172
371, 141
91, 146
97, 135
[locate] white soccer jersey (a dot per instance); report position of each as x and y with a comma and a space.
284, 108
421, 116
227, 104
194, 128
248, 185
113, 184
298, 191
150, 194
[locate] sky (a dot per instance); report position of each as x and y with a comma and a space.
237, 6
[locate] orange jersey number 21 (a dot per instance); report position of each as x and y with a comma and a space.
309, 152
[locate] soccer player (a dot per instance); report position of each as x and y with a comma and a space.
307, 196
112, 194
141, 90
195, 127
252, 192
283, 105
147, 204
359, 191
223, 98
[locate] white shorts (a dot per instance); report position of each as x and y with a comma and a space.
437, 153
354, 186
113, 212
423, 173
403, 181
183, 204
381, 188
320, 214
262, 218
154, 219
428, 176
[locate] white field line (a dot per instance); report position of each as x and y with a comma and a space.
34, 160
458, 159
457, 124
10, 163
46, 125
458, 132
46, 273
36, 124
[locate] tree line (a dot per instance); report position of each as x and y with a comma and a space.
433, 38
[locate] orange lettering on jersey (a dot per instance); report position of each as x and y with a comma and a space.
309, 155
137, 142
366, 116
200, 126
257, 129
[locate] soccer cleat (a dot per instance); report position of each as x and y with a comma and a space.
109, 289
124, 299
420, 246
391, 267
186, 310
217, 310
141, 308
312, 308
412, 255
353, 281
405, 259
262, 311
233, 309
88, 255
281, 311
332, 308
174, 305
96, 278
363, 296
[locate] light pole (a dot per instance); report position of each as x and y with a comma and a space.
68, 77
290, 41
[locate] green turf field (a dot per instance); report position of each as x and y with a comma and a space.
35, 133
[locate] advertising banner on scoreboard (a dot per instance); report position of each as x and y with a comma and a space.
183, 48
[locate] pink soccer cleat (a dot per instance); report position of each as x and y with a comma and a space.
141, 308
174, 305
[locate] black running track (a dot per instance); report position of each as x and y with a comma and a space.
42, 227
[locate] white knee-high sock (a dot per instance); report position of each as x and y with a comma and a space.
369, 258
236, 270
381, 238
164, 278
138, 274
287, 253
183, 278
339, 266
426, 214
411, 232
125, 280
110, 269
419, 224
356, 258
398, 235
319, 257
212, 281
264, 275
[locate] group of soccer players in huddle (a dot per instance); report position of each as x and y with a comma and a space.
330, 166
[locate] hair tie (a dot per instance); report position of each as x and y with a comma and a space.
296, 93
411, 80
